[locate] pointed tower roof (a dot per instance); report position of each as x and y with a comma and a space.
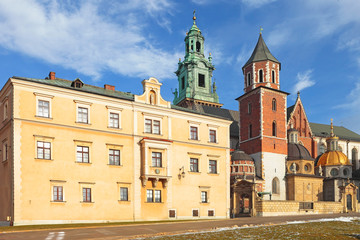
261, 53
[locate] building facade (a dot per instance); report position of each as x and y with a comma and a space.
73, 152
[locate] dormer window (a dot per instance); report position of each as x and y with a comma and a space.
77, 83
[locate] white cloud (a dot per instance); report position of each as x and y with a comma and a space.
351, 107
257, 3
84, 38
303, 81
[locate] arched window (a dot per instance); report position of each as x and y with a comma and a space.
354, 154
261, 76
273, 76
248, 79
322, 148
274, 128
198, 46
274, 104
275, 186
250, 131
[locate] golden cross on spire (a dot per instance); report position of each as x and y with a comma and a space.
261, 29
194, 17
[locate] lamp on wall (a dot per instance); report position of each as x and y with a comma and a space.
181, 172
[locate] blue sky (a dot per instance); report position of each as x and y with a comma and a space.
123, 42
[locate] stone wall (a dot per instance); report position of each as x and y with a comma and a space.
278, 208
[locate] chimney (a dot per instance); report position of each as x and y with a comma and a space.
109, 87
52, 75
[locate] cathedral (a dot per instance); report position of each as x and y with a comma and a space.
72, 152
277, 154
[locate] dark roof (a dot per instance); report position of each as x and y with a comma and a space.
198, 112
224, 113
240, 155
261, 53
323, 130
298, 152
289, 111
58, 82
63, 83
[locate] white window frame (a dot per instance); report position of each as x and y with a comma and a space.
201, 196
213, 128
43, 97
127, 193
57, 183
192, 212
197, 125
211, 209
81, 104
152, 119
114, 110
112, 149
37, 152
216, 166
76, 151
52, 194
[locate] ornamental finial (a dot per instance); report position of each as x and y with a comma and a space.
194, 17
261, 29
332, 128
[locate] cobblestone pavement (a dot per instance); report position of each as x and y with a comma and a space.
142, 230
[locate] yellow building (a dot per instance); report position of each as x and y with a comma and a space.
73, 152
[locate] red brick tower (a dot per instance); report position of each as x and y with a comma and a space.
263, 118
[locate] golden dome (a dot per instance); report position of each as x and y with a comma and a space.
333, 158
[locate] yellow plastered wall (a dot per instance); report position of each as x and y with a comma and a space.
35, 178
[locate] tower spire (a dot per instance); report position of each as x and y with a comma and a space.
194, 17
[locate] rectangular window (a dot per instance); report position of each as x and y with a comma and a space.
83, 115
114, 157
5, 152
43, 150
194, 165
58, 193
201, 80
156, 159
204, 198
86, 194
249, 108
43, 108
211, 213
157, 195
193, 133
183, 83
82, 154
195, 212
172, 213
212, 134
152, 126
156, 127
149, 196
114, 120
212, 166
124, 194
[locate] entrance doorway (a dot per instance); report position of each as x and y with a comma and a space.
349, 202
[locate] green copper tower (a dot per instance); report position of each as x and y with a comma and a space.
195, 73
